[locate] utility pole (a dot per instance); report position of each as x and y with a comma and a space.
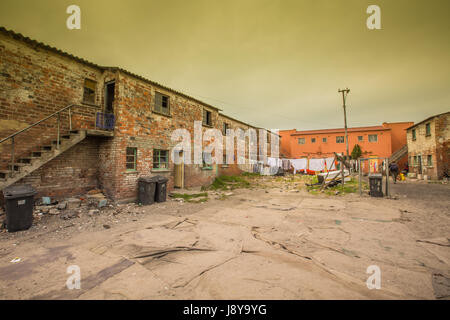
344, 96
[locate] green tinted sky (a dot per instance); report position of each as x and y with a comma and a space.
276, 64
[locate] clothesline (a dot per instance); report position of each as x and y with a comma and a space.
304, 165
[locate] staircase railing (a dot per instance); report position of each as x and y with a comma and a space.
58, 138
399, 153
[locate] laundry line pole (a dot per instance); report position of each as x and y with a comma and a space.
344, 96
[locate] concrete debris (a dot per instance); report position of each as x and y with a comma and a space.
53, 211
93, 212
73, 203
69, 215
62, 205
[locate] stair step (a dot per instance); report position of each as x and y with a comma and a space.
66, 136
46, 148
25, 160
4, 174
74, 131
17, 166
38, 154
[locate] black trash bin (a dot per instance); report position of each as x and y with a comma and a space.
161, 189
146, 190
19, 207
376, 185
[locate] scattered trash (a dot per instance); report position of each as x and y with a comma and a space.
106, 226
46, 200
102, 203
16, 260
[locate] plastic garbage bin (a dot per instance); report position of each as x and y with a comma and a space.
376, 185
161, 189
19, 207
146, 190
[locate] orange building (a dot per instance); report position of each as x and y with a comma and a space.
381, 141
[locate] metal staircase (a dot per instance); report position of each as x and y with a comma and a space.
40, 155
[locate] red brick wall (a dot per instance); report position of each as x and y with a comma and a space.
35, 83
74, 172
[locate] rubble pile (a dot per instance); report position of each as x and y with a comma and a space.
70, 208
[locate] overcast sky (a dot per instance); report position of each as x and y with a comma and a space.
272, 63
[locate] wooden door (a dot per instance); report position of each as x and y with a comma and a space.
179, 172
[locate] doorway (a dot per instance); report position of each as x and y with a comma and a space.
179, 170
109, 96
419, 159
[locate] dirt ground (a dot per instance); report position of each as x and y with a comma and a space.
272, 241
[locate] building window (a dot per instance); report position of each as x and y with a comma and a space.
160, 159
360, 138
373, 138
415, 160
226, 127
131, 158
313, 140
340, 139
268, 137
207, 119
428, 129
429, 160
301, 140
224, 159
89, 91
206, 160
161, 103
324, 139
414, 134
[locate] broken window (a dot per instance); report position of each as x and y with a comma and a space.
131, 158
430, 160
373, 137
160, 159
428, 129
89, 91
301, 140
226, 127
415, 160
207, 117
340, 139
161, 103
206, 160
414, 134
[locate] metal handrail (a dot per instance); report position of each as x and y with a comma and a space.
42, 120
57, 113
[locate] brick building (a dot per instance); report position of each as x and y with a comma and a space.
429, 147
380, 141
118, 128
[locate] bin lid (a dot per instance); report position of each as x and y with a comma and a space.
375, 175
162, 179
148, 179
19, 191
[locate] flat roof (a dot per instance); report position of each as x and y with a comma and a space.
338, 130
